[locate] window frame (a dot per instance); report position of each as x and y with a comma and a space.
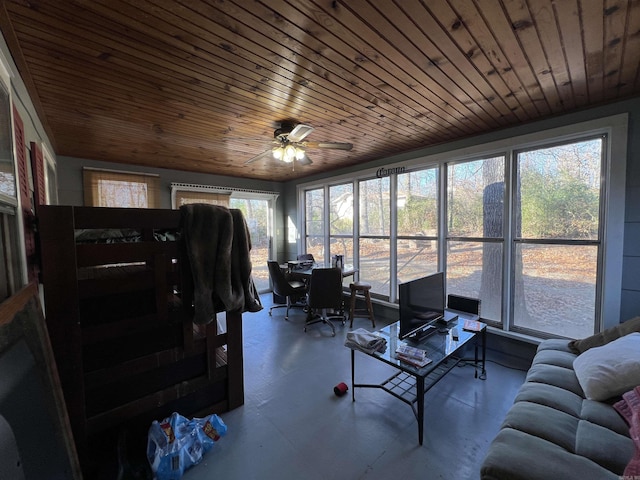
612, 203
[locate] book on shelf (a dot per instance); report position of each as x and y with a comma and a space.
473, 325
414, 361
408, 351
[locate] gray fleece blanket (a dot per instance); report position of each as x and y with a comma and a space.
217, 244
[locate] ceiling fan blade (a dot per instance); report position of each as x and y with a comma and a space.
333, 145
305, 160
299, 132
260, 156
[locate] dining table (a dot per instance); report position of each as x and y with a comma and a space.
302, 269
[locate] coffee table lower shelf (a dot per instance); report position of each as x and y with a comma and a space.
406, 387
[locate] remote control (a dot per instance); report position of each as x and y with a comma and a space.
454, 333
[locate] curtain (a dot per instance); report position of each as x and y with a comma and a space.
105, 188
184, 197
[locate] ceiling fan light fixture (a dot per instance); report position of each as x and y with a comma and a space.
289, 153
278, 153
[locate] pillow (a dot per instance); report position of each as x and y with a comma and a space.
629, 408
602, 338
610, 370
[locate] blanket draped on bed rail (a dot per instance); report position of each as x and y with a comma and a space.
217, 244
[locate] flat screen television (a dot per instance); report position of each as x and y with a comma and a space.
422, 303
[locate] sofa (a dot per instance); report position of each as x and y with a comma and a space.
556, 430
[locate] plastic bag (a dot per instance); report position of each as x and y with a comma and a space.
176, 443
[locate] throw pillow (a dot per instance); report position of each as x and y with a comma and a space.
610, 370
629, 408
602, 338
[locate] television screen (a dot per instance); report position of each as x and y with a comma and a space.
422, 303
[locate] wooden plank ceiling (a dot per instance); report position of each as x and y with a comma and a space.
200, 85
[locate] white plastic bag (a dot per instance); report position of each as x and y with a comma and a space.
175, 443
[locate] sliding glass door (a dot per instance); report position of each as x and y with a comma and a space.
257, 214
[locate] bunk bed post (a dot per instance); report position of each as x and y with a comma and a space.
62, 311
235, 363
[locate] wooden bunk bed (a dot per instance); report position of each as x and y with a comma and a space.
118, 296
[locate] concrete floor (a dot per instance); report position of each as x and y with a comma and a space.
292, 426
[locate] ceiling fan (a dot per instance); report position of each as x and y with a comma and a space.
290, 145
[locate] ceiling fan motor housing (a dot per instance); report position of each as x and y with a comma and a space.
284, 130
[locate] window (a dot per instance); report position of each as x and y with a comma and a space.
50, 176
475, 231
10, 263
417, 219
106, 188
517, 223
557, 238
314, 222
374, 233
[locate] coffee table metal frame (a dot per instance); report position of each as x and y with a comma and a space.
407, 383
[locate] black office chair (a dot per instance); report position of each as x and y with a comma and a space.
293, 291
325, 292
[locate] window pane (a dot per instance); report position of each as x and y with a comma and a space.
7, 177
560, 191
475, 196
555, 289
314, 212
374, 264
343, 246
417, 203
374, 207
416, 258
315, 246
114, 193
474, 269
341, 209
256, 214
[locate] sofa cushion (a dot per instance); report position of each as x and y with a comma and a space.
555, 357
550, 396
561, 377
602, 338
517, 455
610, 370
543, 422
576, 435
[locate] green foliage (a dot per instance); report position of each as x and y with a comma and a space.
419, 216
560, 206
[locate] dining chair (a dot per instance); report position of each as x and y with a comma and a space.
325, 293
294, 291
306, 260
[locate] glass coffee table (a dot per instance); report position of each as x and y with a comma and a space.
410, 383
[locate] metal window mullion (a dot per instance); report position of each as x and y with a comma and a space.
393, 236
443, 233
326, 216
356, 229
605, 162
508, 257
